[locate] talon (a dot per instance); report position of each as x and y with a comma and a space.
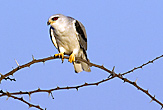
60, 55
72, 58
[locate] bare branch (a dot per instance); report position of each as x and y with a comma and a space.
25, 65
57, 88
140, 88
111, 73
29, 104
141, 66
46, 59
120, 76
8, 78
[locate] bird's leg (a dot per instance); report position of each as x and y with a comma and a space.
60, 55
72, 58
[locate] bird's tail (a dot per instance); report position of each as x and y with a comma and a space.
80, 66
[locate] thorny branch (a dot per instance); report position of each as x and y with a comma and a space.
8, 78
30, 105
141, 66
80, 86
141, 89
54, 89
46, 59
112, 74
20, 99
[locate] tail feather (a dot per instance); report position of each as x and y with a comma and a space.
85, 67
80, 66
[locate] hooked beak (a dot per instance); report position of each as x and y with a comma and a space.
48, 23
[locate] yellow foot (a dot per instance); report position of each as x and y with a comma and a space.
71, 58
60, 55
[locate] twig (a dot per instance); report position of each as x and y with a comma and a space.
46, 59
140, 88
8, 78
57, 88
86, 84
25, 65
30, 105
141, 66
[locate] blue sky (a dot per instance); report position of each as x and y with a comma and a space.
124, 34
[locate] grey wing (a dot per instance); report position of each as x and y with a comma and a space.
82, 36
52, 36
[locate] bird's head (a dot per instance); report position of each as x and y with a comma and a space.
56, 20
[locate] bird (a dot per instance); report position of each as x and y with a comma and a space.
69, 37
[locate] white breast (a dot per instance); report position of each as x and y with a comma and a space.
67, 39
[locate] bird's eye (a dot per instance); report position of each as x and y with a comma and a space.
55, 18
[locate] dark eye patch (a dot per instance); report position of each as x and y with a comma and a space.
55, 18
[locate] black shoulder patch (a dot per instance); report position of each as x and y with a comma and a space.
50, 32
80, 31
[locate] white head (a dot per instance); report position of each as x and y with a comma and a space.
57, 20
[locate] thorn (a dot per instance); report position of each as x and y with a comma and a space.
124, 80
97, 84
68, 87
8, 94
86, 84
136, 80
52, 95
7, 98
141, 67
38, 106
113, 68
1, 91
77, 88
43, 62
147, 90
29, 96
113, 73
134, 68
17, 63
151, 101
21, 92
2, 76
30, 105
58, 87
38, 89
21, 98
109, 76
33, 57
49, 94
29, 66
